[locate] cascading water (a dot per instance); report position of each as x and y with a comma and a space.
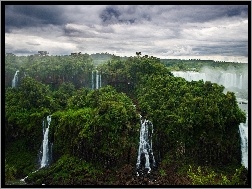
100, 81
92, 80
190, 75
145, 152
96, 80
226, 79
45, 146
240, 80
243, 128
15, 79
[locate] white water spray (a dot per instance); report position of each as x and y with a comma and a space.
243, 128
226, 79
45, 150
15, 79
100, 81
96, 80
145, 145
92, 80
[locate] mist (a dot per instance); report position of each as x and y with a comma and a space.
233, 79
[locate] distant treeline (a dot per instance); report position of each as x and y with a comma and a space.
197, 64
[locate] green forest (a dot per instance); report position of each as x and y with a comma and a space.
95, 132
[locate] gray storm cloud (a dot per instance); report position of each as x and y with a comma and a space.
165, 30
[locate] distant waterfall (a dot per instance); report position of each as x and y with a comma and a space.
15, 79
226, 79
92, 81
145, 153
96, 80
190, 75
243, 128
46, 146
100, 81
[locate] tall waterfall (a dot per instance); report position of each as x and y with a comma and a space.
92, 81
15, 79
100, 81
145, 153
46, 147
96, 80
243, 128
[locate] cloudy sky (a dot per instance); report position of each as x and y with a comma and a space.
218, 32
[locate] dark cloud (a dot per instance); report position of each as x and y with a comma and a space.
21, 16
161, 29
110, 15
202, 13
237, 11
124, 14
223, 49
70, 31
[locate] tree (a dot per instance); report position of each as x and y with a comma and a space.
192, 118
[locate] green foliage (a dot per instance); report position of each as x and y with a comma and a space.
162, 172
124, 75
10, 172
192, 118
196, 65
64, 92
199, 178
29, 96
102, 125
204, 176
78, 99
52, 70
193, 121
25, 107
68, 170
20, 157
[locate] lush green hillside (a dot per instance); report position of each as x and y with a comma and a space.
95, 133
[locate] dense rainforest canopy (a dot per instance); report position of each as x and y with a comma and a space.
95, 133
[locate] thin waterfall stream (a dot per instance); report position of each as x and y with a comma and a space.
243, 128
46, 146
46, 151
96, 80
145, 158
15, 79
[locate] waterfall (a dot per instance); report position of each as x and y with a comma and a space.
190, 75
222, 78
92, 80
100, 81
15, 79
45, 146
96, 80
243, 128
240, 80
145, 152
